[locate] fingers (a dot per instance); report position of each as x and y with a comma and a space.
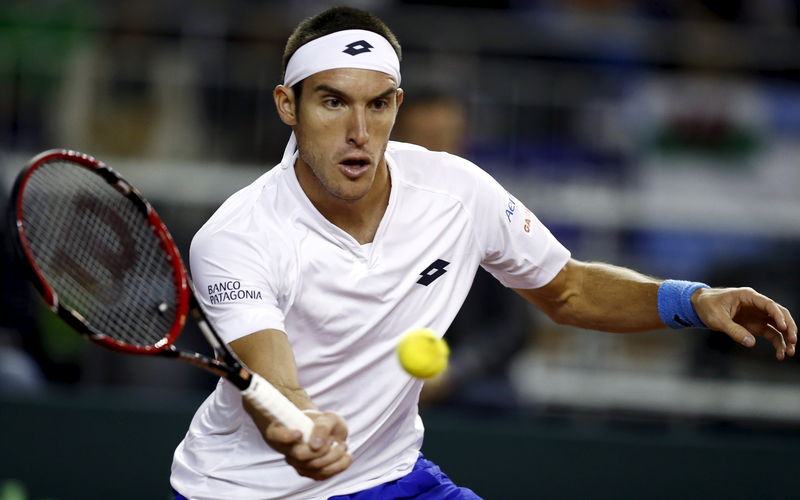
280, 435
778, 342
335, 467
791, 329
780, 316
746, 336
743, 313
737, 332
334, 460
781, 330
324, 455
327, 427
789, 332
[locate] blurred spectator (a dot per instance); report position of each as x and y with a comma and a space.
718, 119
492, 326
434, 120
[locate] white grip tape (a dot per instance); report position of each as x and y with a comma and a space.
268, 400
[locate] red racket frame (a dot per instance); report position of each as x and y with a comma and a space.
153, 220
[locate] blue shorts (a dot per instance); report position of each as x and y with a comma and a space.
426, 481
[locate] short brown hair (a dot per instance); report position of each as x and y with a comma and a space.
333, 20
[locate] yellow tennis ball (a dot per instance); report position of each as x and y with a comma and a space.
422, 353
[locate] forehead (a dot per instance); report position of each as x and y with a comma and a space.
351, 81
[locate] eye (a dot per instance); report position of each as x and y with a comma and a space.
332, 102
380, 104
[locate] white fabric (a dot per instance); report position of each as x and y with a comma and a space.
344, 307
359, 49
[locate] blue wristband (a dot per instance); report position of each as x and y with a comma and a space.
675, 304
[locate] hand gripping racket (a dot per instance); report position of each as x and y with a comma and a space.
102, 259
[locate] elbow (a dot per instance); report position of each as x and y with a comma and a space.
561, 308
560, 299
562, 312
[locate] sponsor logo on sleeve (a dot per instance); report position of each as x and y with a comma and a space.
527, 221
511, 207
229, 291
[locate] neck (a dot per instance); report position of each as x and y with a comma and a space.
359, 218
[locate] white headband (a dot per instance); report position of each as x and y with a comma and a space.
359, 49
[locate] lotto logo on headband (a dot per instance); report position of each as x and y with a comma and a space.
358, 47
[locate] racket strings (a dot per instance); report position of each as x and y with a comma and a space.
96, 250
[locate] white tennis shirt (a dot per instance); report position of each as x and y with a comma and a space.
267, 259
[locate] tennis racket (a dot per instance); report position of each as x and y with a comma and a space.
102, 259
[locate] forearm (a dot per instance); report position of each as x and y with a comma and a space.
269, 354
600, 296
324, 453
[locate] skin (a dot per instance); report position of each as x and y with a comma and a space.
345, 118
269, 353
613, 299
346, 115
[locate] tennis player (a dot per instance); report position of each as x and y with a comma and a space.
314, 271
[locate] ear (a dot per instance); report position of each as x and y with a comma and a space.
399, 95
284, 103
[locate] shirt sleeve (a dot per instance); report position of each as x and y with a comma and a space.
235, 282
517, 248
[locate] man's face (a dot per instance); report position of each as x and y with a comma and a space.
343, 124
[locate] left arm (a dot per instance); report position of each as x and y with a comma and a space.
614, 299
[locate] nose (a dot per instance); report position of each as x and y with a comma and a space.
357, 131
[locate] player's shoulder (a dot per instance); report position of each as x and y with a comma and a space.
436, 170
243, 219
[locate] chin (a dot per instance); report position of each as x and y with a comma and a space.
351, 190
349, 195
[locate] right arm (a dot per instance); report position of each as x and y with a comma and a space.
268, 353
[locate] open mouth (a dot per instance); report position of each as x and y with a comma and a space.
354, 167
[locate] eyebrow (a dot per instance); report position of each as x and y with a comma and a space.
333, 90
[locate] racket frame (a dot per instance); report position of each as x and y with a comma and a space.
255, 389
73, 318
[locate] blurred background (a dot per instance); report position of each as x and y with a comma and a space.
660, 135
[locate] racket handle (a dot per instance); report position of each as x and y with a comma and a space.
269, 400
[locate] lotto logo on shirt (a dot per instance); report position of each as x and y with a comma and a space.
226, 291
